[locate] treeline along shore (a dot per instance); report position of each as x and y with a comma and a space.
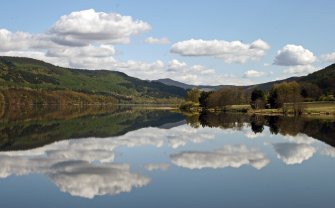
26, 81
288, 98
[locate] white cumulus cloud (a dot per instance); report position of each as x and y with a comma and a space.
86, 51
176, 70
292, 55
87, 26
230, 52
22, 41
86, 39
198, 74
329, 57
300, 70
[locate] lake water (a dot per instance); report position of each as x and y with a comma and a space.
145, 158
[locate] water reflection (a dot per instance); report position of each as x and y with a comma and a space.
293, 153
72, 166
79, 153
301, 133
317, 128
86, 168
160, 166
44, 128
328, 151
229, 156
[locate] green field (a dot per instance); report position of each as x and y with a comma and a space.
320, 107
310, 108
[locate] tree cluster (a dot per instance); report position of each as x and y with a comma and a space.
217, 99
287, 96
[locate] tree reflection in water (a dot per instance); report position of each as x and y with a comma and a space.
321, 129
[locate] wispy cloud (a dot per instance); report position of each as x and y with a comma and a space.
160, 41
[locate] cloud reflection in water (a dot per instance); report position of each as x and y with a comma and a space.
229, 156
86, 168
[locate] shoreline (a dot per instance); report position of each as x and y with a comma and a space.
260, 113
310, 109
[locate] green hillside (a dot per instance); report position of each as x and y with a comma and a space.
324, 78
17, 72
30, 81
267, 85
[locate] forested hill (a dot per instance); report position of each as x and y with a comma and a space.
18, 72
324, 79
33, 81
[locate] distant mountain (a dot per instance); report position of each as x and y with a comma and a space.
324, 79
18, 72
33, 81
172, 82
263, 86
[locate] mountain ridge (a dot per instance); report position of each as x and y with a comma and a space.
323, 78
171, 82
21, 72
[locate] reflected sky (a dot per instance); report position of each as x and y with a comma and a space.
228, 156
90, 167
86, 167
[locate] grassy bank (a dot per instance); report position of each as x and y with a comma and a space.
309, 108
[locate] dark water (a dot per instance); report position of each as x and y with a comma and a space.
142, 158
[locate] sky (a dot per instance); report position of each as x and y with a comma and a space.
208, 42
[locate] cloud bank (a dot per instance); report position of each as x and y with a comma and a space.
229, 52
87, 39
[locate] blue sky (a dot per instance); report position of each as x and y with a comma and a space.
206, 42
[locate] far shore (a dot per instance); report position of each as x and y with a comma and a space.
310, 109
152, 106
326, 109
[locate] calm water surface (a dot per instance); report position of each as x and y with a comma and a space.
142, 158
